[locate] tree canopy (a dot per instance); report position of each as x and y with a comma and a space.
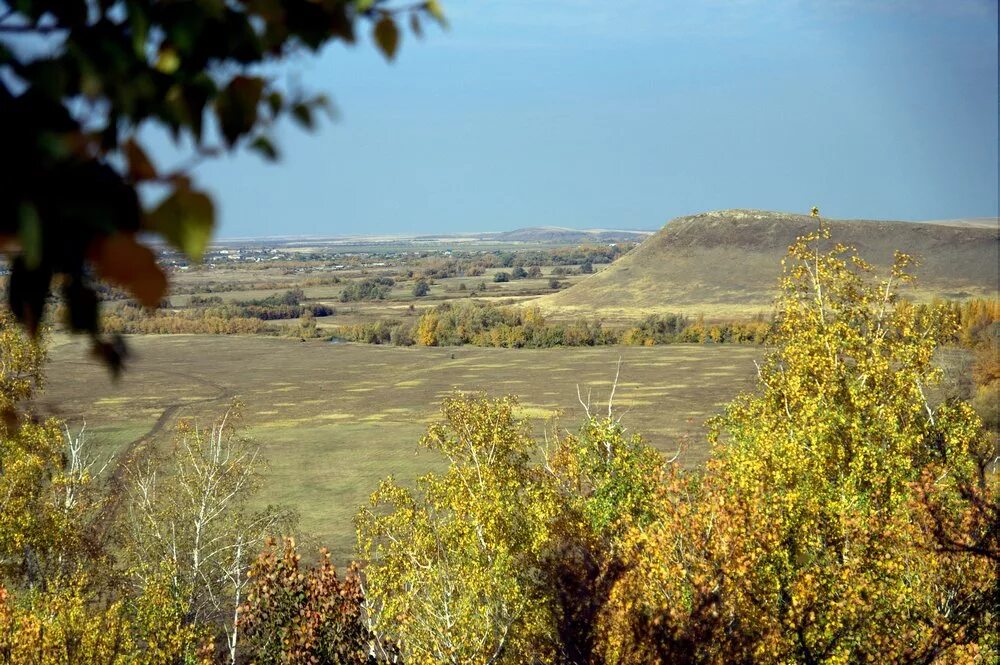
81, 81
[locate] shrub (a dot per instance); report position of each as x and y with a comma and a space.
421, 288
367, 289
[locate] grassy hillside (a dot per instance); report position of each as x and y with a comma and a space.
727, 263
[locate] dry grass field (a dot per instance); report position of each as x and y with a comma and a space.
334, 419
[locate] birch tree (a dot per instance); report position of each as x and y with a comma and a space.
47, 476
192, 511
450, 574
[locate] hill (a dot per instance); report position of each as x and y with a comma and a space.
560, 235
727, 263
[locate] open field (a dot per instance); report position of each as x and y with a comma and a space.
334, 419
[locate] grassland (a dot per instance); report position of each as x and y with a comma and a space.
334, 419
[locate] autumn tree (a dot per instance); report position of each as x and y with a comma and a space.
47, 476
80, 83
835, 521
448, 565
307, 325
605, 482
421, 288
59, 597
73, 622
510, 555
191, 511
303, 614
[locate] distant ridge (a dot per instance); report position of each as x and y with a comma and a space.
972, 222
727, 263
557, 234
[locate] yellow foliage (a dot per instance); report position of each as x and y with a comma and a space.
427, 333
806, 538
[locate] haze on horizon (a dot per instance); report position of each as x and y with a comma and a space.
587, 114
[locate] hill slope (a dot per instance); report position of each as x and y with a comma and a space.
727, 263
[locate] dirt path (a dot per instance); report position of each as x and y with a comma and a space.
131, 452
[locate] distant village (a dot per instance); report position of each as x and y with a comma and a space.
333, 258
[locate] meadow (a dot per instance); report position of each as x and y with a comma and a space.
335, 419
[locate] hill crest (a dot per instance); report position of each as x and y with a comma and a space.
727, 263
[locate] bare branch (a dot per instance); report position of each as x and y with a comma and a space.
614, 386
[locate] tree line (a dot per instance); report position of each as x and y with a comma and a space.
212, 315
485, 324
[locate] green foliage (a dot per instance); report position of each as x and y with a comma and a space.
421, 288
71, 116
609, 478
373, 288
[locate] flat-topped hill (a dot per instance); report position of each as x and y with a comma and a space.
558, 234
727, 263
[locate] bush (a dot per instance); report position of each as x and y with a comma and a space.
402, 335
421, 288
501, 277
367, 289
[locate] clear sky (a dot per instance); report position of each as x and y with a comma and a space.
626, 113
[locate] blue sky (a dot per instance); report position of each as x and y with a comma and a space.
624, 114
